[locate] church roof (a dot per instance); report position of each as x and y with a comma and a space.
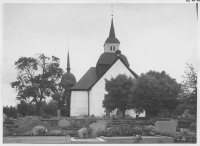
109, 58
87, 80
68, 77
90, 78
112, 38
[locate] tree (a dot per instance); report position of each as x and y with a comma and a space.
62, 96
37, 78
155, 92
10, 111
22, 108
51, 108
31, 109
119, 90
189, 88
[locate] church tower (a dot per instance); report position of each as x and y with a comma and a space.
88, 94
68, 79
110, 54
112, 43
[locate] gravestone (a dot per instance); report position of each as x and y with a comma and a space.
97, 127
168, 127
175, 121
63, 123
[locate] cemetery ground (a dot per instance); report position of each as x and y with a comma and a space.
85, 129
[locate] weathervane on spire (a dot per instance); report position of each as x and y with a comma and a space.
68, 63
112, 9
68, 42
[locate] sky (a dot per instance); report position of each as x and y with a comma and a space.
152, 36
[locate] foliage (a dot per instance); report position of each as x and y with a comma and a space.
137, 130
51, 108
183, 132
31, 109
41, 132
37, 78
134, 131
188, 97
11, 112
90, 130
149, 130
155, 92
119, 90
22, 108
193, 125
87, 132
62, 96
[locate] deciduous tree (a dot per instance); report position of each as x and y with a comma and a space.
119, 90
155, 92
37, 78
189, 88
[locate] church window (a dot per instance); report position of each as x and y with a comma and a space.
113, 48
110, 48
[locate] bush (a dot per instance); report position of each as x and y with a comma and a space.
46, 116
193, 125
149, 130
90, 130
126, 133
109, 132
41, 132
137, 130
183, 132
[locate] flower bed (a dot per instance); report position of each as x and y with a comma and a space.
40, 132
136, 130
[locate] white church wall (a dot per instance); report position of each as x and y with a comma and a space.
98, 90
79, 103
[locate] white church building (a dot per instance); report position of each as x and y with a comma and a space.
88, 93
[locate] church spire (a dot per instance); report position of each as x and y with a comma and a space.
112, 39
68, 63
112, 30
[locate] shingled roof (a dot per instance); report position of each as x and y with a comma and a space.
90, 78
109, 58
87, 80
